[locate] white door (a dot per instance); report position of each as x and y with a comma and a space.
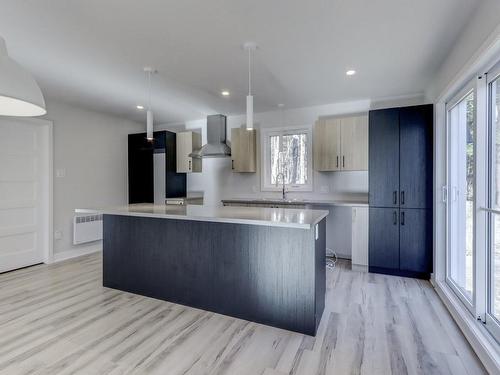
24, 192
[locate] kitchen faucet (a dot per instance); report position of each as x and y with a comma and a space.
282, 179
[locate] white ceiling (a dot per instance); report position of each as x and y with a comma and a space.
92, 52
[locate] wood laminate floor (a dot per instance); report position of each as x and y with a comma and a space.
58, 319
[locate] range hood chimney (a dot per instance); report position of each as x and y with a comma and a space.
216, 146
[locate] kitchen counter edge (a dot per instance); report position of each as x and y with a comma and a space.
262, 216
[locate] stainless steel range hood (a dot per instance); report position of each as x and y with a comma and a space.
216, 146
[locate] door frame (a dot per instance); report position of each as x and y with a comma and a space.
491, 322
48, 253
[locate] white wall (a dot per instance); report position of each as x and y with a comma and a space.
91, 148
480, 29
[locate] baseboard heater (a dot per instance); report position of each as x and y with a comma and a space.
87, 228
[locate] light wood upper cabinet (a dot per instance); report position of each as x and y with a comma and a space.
243, 150
341, 144
326, 145
186, 142
354, 143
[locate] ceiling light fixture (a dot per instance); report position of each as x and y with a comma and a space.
141, 107
149, 114
20, 95
350, 72
225, 93
250, 46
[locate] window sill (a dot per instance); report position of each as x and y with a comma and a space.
485, 346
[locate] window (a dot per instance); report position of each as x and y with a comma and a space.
287, 158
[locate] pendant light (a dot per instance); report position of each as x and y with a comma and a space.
149, 113
249, 47
20, 95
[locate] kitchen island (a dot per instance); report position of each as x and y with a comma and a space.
265, 265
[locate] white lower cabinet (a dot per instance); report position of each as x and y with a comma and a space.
360, 236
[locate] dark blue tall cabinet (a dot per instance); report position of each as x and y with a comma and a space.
400, 197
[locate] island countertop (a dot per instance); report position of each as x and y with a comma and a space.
278, 217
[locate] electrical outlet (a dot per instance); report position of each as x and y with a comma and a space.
255, 189
60, 173
58, 235
324, 189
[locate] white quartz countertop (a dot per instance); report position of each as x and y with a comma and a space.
278, 217
291, 202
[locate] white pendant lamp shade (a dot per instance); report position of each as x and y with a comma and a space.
149, 114
149, 125
249, 112
20, 95
249, 47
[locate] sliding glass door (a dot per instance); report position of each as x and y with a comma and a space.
473, 198
493, 209
461, 192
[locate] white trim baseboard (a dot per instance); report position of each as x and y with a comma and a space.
480, 340
74, 253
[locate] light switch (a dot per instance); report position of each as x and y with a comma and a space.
60, 173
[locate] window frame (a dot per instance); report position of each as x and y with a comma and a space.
469, 303
491, 322
266, 152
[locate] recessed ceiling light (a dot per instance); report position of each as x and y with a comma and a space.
139, 106
225, 93
350, 72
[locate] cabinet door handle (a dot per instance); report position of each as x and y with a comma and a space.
402, 218
343, 161
395, 218
232, 164
402, 199
189, 164
395, 197
337, 161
